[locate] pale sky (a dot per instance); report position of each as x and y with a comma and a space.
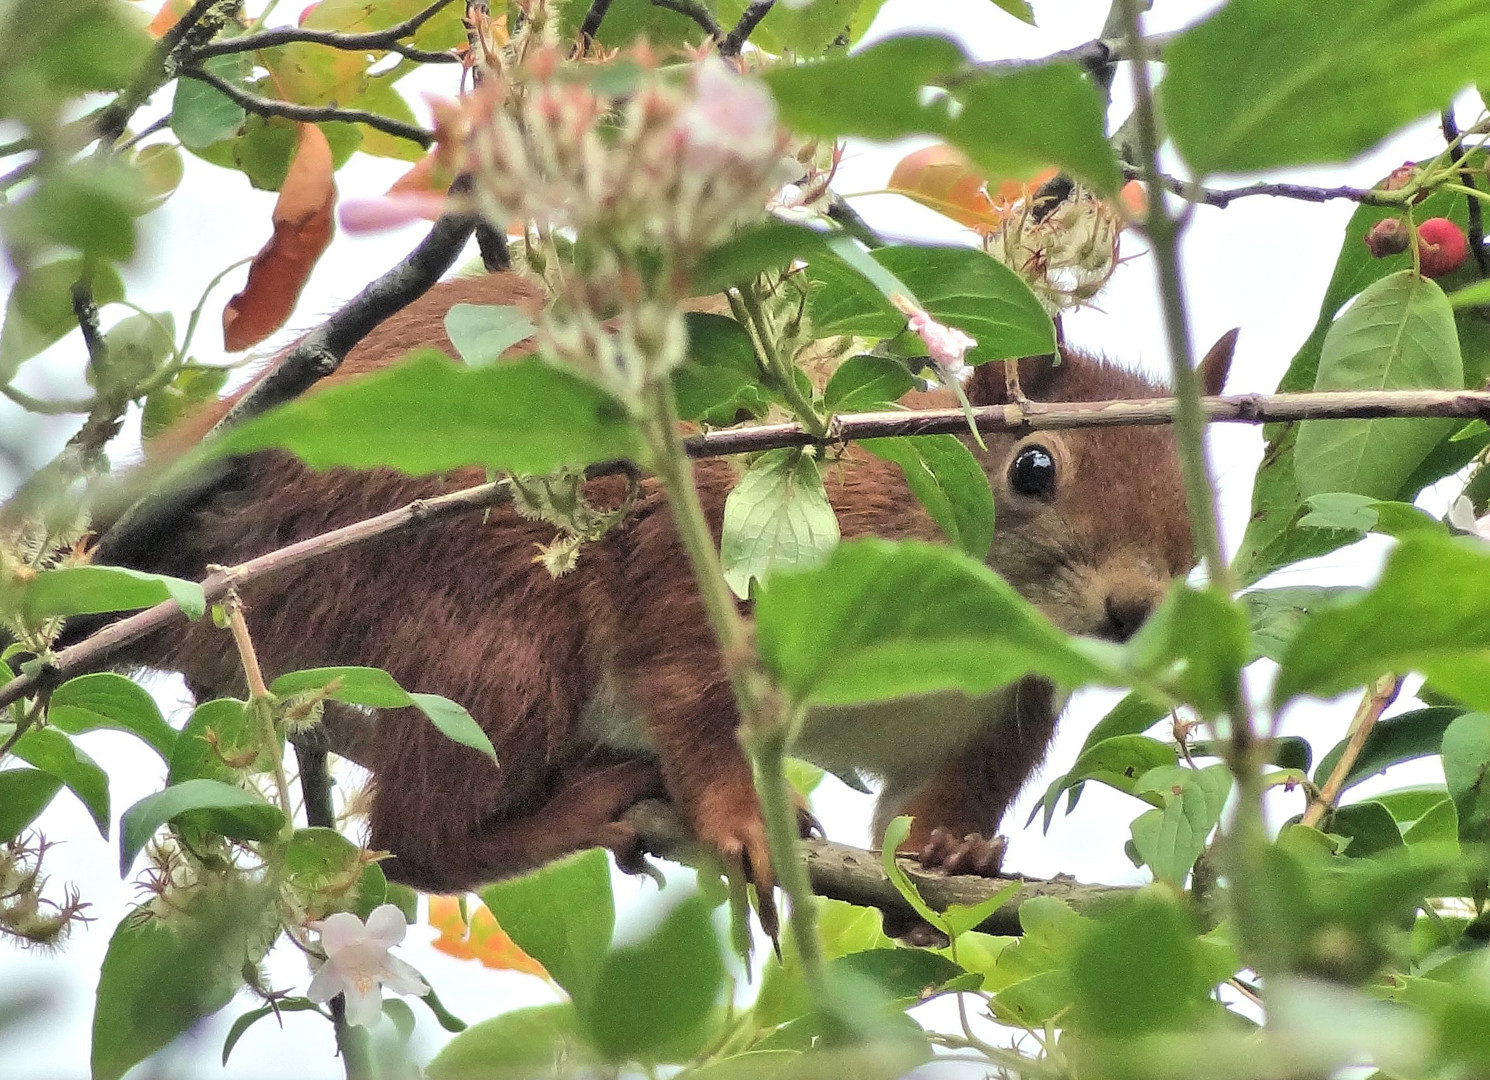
1261, 264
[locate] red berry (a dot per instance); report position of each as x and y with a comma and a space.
1390, 236
1442, 247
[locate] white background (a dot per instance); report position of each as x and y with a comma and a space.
1261, 264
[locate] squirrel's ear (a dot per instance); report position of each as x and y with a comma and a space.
1217, 363
989, 384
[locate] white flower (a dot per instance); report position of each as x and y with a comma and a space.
729, 114
358, 964
945, 344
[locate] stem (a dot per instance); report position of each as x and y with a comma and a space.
1248, 835
763, 728
1378, 696
775, 366
261, 701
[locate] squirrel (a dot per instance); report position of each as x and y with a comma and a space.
605, 686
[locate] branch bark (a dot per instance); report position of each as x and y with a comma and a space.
855, 875
314, 114
388, 39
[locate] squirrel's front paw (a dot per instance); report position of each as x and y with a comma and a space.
970, 854
729, 820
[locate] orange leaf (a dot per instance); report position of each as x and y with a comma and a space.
940, 178
302, 229
482, 940
1011, 191
168, 16
1134, 198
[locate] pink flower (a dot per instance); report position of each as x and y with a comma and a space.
945, 344
358, 964
729, 113
379, 213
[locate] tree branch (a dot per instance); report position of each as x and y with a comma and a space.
314, 114
695, 10
1097, 56
1378, 696
856, 876
387, 39
195, 28
1224, 197
315, 356
1034, 416
593, 18
735, 40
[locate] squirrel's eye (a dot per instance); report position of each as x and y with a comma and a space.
1032, 472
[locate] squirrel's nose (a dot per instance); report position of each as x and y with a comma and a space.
1125, 614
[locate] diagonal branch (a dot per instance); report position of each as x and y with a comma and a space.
387, 39
698, 12
314, 114
1224, 197
1033, 416
735, 40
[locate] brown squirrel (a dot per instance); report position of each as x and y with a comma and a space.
605, 686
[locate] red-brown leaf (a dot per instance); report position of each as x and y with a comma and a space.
302, 229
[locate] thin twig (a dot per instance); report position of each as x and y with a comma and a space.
1224, 197
1475, 217
198, 25
593, 18
735, 40
1096, 55
1378, 696
695, 10
314, 114
387, 39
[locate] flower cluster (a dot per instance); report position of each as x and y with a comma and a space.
1065, 248
633, 172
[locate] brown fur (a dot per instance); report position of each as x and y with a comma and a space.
461, 610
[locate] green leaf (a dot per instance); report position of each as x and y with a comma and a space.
89, 590
516, 1045
863, 383
1471, 296
1406, 805
106, 700
962, 287
720, 376
53, 752
483, 332
454, 722
657, 992
776, 518
959, 919
135, 348
39, 310
219, 731
1020, 9
48, 52
1439, 824
1011, 124
1399, 334
320, 866
89, 205
188, 388
192, 967
1277, 614
1362, 514
220, 807
1393, 740
24, 794
1273, 538
1466, 774
1266, 83
253, 1016
904, 976
754, 250
1170, 839
374, 687
1407, 620
1117, 761
1369, 828
895, 835
949, 482
1137, 972
562, 915
202, 115
1195, 645
425, 415
880, 620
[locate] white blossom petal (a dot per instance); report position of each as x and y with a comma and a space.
403, 979
340, 931
385, 926
327, 982
364, 1009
